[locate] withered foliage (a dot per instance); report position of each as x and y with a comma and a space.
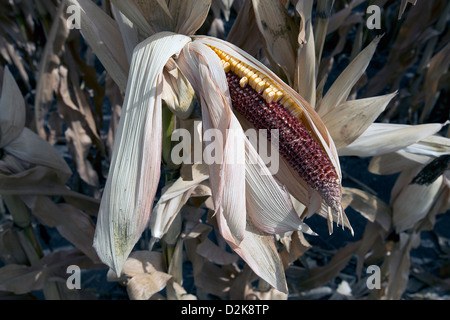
382, 93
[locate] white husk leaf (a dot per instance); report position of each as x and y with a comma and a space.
172, 199
413, 202
205, 72
135, 167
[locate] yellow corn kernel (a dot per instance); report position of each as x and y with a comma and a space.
243, 82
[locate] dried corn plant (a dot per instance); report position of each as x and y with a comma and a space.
112, 96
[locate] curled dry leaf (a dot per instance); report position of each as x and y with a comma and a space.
189, 15
21, 142
143, 273
143, 286
176, 292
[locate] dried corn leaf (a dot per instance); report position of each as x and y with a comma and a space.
321, 275
370, 206
33, 149
382, 138
259, 251
156, 12
73, 224
342, 86
176, 292
175, 268
130, 35
189, 15
248, 41
305, 72
21, 142
225, 7
10, 250
433, 145
213, 279
395, 162
348, 120
323, 11
438, 66
45, 181
296, 245
78, 140
373, 235
280, 35
397, 265
103, 35
139, 262
214, 253
143, 286
413, 34
48, 76
21, 279
403, 7
12, 107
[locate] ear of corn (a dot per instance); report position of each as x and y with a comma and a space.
268, 103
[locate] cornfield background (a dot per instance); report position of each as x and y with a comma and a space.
72, 108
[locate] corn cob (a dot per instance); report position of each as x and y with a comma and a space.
259, 100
